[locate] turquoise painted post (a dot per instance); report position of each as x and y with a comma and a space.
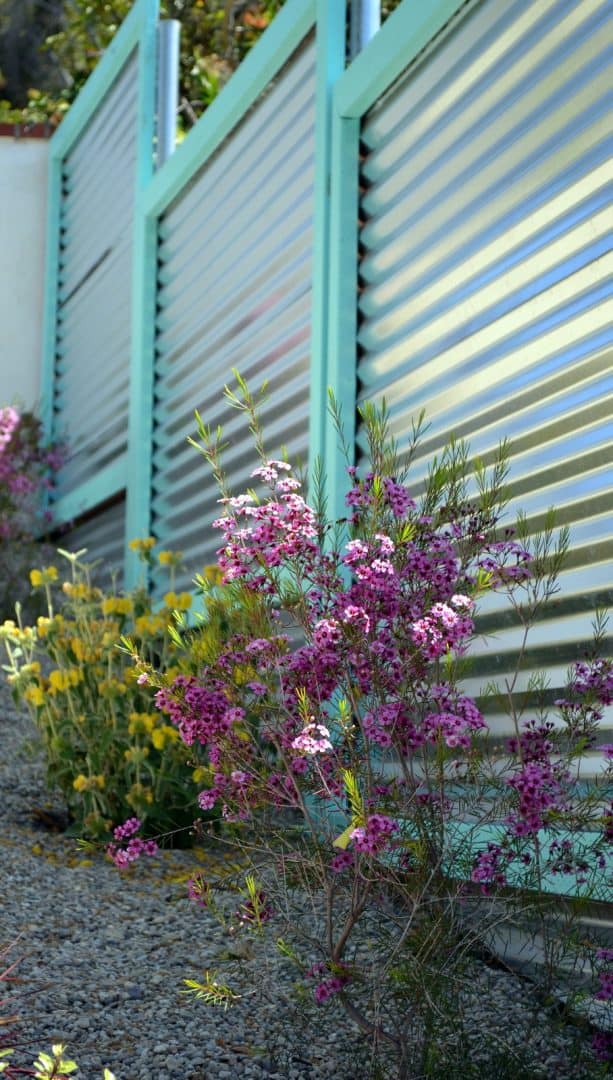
52, 260
331, 44
140, 417
138, 31
373, 71
342, 293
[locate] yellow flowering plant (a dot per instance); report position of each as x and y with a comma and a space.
107, 749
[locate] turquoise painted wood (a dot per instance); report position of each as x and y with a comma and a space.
52, 258
109, 480
409, 28
342, 287
140, 416
331, 44
136, 38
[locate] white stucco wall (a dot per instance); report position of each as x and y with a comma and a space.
23, 194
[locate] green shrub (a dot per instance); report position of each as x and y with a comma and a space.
107, 751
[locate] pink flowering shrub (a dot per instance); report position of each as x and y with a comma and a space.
342, 743
27, 471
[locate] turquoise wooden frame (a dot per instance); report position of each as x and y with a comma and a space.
139, 31
289, 28
409, 28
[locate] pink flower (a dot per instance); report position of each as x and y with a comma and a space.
134, 847
375, 835
313, 739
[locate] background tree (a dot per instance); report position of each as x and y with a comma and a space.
24, 27
49, 47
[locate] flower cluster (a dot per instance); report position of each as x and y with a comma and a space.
489, 868
605, 975
335, 982
441, 630
375, 835
261, 536
27, 470
314, 739
9, 420
132, 846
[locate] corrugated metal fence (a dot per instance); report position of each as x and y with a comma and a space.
431, 223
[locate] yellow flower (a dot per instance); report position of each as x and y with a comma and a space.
110, 687
78, 591
142, 723
170, 558
35, 696
31, 669
149, 625
78, 648
59, 681
202, 774
88, 783
139, 795
179, 601
163, 735
212, 574
147, 544
158, 738
120, 605
43, 577
44, 624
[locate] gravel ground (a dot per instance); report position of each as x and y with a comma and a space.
104, 956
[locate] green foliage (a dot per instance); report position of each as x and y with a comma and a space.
215, 37
109, 753
211, 991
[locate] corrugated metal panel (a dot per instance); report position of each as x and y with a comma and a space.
486, 273
93, 322
103, 536
235, 292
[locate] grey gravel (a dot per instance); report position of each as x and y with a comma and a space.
104, 956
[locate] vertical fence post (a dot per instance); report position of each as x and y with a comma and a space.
168, 88
364, 21
52, 265
342, 300
140, 423
331, 44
